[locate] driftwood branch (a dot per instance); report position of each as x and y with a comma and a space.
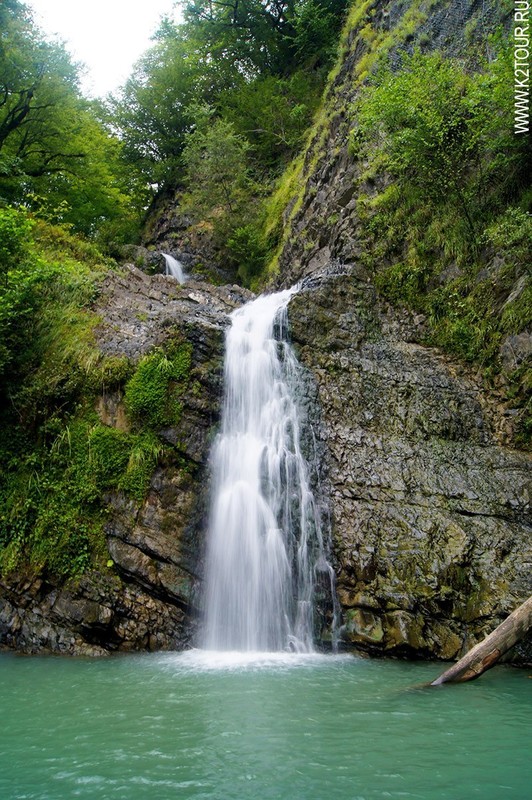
485, 654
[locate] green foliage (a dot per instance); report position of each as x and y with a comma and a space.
216, 170
46, 322
287, 189
117, 460
259, 68
248, 248
57, 459
15, 230
316, 25
442, 132
450, 235
152, 113
51, 514
56, 155
513, 230
273, 114
152, 395
143, 457
218, 173
251, 36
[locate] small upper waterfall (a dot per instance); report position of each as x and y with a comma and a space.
174, 268
265, 541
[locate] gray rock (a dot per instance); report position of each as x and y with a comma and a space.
431, 515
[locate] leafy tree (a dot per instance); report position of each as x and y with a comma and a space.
56, 155
152, 111
241, 57
38, 86
256, 35
316, 27
272, 114
216, 170
271, 37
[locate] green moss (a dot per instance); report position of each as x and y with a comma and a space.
59, 460
357, 14
110, 371
51, 512
287, 194
152, 395
143, 457
378, 43
207, 274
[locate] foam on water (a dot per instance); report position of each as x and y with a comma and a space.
196, 660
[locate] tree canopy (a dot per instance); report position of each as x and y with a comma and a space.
56, 154
259, 64
258, 67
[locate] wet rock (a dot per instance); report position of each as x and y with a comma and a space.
148, 260
138, 312
516, 350
93, 616
431, 514
148, 599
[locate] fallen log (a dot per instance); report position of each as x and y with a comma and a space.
486, 653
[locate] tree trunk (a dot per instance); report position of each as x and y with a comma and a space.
485, 654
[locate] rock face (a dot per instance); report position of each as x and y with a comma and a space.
94, 616
148, 598
138, 312
192, 242
326, 224
429, 502
431, 515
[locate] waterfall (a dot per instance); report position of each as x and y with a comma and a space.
174, 268
265, 540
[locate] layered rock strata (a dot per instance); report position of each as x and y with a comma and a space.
148, 597
431, 514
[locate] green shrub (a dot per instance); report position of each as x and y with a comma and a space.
450, 234
15, 234
248, 248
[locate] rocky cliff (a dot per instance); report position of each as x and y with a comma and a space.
147, 598
431, 514
429, 496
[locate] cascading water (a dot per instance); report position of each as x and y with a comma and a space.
265, 540
174, 268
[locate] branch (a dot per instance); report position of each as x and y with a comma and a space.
486, 654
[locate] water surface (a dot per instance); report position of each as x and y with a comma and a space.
245, 727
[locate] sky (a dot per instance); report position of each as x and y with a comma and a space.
107, 35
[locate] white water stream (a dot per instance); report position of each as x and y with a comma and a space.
265, 539
174, 268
